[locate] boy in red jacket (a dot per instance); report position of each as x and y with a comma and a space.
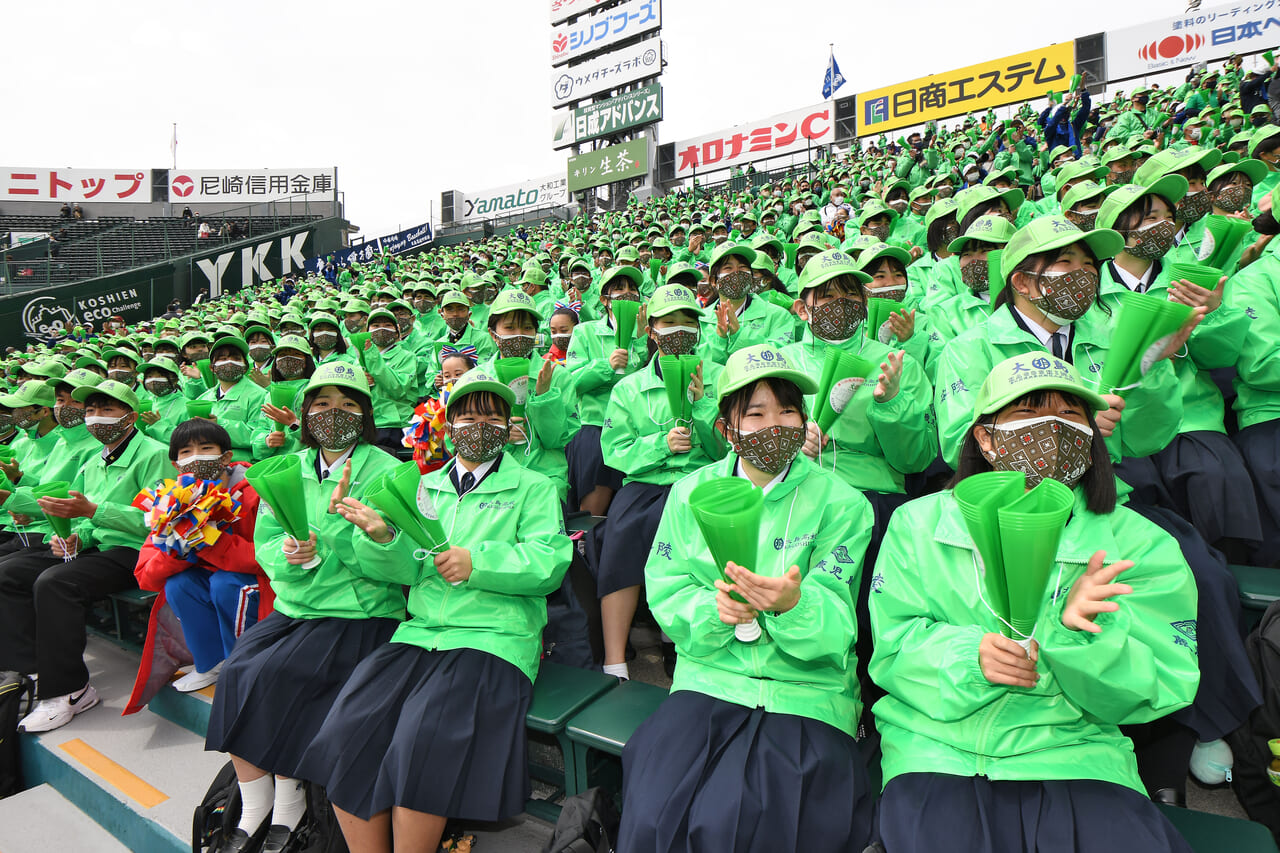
218, 597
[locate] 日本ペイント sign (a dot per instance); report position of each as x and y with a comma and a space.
1198, 35
977, 87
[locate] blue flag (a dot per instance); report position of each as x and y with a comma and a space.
833, 80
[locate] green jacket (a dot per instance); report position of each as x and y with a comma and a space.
1152, 412
941, 715
1215, 343
588, 362
634, 437
43, 459
874, 445
951, 318
395, 384
238, 412
172, 409
1256, 291
759, 322
804, 662
340, 586
143, 464
547, 425
511, 524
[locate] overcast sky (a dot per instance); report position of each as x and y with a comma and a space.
409, 99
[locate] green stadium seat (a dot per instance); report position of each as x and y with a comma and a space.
1211, 833
559, 693
1259, 586
608, 723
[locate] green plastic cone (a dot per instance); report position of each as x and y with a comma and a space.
843, 374
1137, 336
1030, 529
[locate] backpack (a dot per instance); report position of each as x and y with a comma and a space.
17, 693
588, 824
1259, 796
217, 815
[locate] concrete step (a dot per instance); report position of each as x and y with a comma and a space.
139, 777
40, 819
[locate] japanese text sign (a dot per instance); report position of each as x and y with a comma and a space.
606, 165
605, 72
563, 10
782, 134
515, 198
593, 33
19, 183
605, 118
1012, 79
1200, 35
247, 186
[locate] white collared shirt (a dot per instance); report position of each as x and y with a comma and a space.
739, 472
326, 470
1044, 335
1138, 284
477, 471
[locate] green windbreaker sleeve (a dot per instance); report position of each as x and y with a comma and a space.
536, 563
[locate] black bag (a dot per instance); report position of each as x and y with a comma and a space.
17, 693
588, 824
216, 818
1253, 788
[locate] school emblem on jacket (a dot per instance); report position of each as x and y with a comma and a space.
1186, 635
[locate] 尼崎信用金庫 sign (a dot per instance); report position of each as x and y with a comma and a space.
1010, 80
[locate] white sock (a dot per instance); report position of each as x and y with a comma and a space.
618, 669
255, 802
291, 803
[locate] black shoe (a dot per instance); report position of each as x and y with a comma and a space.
669, 659
1170, 797
277, 840
238, 841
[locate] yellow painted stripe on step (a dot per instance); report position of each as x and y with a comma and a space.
207, 691
113, 774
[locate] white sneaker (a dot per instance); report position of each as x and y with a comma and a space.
194, 681
50, 714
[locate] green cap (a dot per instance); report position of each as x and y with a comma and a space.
340, 374
671, 298
534, 275
382, 314
683, 268
259, 330
1083, 191
868, 257
1018, 376
75, 379
1045, 233
825, 266
111, 388
122, 352
230, 341
991, 229
321, 318
612, 273
1077, 170
728, 248
971, 197
33, 392
1171, 188
193, 336
1171, 160
1255, 170
49, 369
939, 209
454, 297
164, 363
627, 253
90, 361
1260, 136
478, 380
512, 299
295, 343
748, 364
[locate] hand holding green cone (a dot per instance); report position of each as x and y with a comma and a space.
398, 495
1138, 336
285, 394
980, 497
57, 489
278, 481
206, 372
1031, 528
1222, 237
878, 311
728, 511
1199, 274
514, 373
843, 373
200, 408
357, 341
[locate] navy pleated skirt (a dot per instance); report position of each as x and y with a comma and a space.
1260, 447
276, 688
440, 732
1228, 688
928, 812
703, 774
627, 535
1206, 478
586, 465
